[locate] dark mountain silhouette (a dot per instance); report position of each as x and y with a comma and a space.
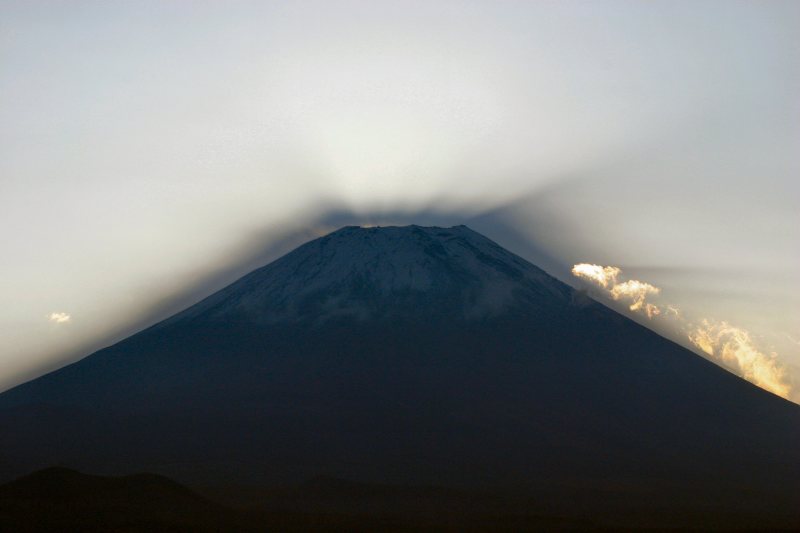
419, 356
60, 499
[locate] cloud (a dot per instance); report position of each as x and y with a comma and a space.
735, 348
59, 318
632, 290
603, 276
730, 346
635, 291
651, 310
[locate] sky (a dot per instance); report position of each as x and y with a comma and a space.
152, 152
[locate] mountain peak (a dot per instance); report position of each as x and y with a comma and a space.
408, 231
377, 272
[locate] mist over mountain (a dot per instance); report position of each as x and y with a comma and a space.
416, 355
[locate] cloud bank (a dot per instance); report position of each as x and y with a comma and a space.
730, 346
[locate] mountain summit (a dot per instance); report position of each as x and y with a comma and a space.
391, 272
411, 355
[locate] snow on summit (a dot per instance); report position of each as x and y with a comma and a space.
385, 271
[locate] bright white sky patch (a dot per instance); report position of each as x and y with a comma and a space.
59, 318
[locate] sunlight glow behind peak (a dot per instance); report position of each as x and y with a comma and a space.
171, 145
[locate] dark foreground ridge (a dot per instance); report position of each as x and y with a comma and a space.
410, 356
60, 499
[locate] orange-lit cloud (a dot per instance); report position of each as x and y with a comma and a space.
730, 346
603, 276
651, 310
735, 348
635, 291
59, 318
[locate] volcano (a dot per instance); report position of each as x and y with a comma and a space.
417, 356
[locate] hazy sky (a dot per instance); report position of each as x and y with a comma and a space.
153, 151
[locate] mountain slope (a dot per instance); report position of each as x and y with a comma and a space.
414, 355
379, 273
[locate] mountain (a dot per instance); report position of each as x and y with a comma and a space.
418, 356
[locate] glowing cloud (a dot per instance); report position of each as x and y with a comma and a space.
651, 310
59, 318
734, 347
730, 346
636, 292
603, 276
632, 290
